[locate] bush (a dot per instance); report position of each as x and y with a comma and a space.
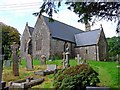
77, 77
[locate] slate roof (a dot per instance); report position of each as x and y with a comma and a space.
87, 38
30, 30
62, 31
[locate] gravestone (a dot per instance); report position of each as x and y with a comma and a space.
43, 59
7, 63
63, 60
67, 59
51, 67
78, 59
50, 70
29, 61
14, 48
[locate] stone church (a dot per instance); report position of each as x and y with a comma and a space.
50, 39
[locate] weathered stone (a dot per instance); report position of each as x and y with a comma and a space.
25, 85
29, 63
43, 59
78, 58
63, 60
50, 70
97, 88
67, 60
14, 49
7, 63
51, 67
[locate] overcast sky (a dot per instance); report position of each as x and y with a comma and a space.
17, 12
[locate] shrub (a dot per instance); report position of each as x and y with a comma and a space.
77, 77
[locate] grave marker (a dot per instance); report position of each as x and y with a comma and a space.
43, 59
14, 49
29, 64
63, 60
78, 59
7, 63
51, 67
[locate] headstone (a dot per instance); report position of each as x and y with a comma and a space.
14, 49
66, 56
7, 63
67, 59
78, 59
64, 60
29, 64
51, 67
43, 59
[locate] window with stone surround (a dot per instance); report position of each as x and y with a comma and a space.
38, 41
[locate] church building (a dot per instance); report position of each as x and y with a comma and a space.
50, 39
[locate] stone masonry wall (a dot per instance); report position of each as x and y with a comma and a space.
88, 53
41, 39
58, 47
25, 37
102, 47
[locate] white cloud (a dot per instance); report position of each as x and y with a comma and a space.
64, 15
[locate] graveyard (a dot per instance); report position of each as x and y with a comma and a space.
108, 76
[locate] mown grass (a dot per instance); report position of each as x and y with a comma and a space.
108, 72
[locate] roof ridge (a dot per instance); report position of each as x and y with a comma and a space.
89, 31
64, 23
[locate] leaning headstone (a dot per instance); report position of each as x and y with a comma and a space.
43, 59
7, 63
14, 49
29, 61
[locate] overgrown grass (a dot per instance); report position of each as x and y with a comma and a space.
108, 72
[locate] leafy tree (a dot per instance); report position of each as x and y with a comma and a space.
87, 11
113, 46
9, 35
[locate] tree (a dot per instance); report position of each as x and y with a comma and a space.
87, 11
9, 35
113, 46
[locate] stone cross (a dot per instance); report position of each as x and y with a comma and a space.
67, 56
29, 64
14, 48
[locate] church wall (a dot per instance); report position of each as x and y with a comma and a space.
41, 39
102, 47
57, 47
88, 52
23, 44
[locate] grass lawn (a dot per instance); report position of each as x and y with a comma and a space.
108, 72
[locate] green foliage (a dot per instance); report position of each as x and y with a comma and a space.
113, 46
9, 35
87, 11
77, 77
